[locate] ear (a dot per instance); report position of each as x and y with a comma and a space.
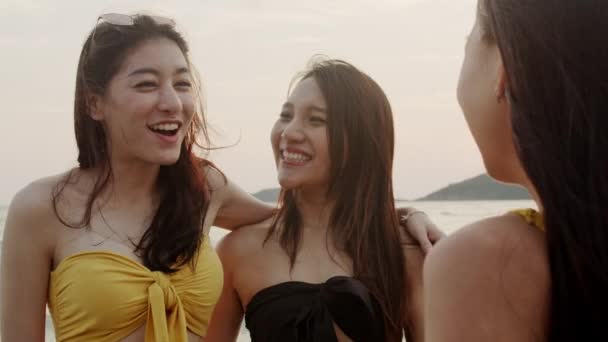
500, 87
95, 107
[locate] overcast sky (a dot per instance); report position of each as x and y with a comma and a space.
247, 52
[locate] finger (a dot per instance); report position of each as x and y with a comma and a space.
426, 246
435, 234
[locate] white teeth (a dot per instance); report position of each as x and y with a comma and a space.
165, 127
295, 157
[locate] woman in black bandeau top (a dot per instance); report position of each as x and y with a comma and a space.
333, 264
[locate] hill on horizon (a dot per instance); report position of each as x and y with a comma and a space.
268, 195
481, 187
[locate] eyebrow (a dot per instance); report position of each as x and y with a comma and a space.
182, 70
311, 108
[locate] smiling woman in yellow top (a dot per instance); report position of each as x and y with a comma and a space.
119, 246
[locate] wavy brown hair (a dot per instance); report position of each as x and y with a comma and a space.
555, 55
363, 223
174, 235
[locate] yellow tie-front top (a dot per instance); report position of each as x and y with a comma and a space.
102, 296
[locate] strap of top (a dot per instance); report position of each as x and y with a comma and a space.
531, 216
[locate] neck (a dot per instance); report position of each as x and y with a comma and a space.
315, 208
534, 195
132, 182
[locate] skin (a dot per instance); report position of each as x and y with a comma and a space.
249, 267
35, 241
490, 280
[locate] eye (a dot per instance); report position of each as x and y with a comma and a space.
145, 84
317, 120
285, 116
183, 84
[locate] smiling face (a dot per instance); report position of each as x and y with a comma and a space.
299, 138
148, 105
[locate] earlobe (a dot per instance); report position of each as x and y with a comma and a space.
95, 108
501, 83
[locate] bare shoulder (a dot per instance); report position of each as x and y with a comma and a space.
496, 269
244, 241
216, 180
31, 213
36, 198
505, 241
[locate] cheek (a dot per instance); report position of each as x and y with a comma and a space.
469, 88
116, 122
322, 149
188, 105
275, 139
476, 96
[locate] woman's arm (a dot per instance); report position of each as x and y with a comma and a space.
413, 325
228, 313
236, 207
25, 267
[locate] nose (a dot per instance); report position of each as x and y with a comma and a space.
169, 100
293, 131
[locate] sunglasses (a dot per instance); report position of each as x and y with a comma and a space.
128, 20
124, 20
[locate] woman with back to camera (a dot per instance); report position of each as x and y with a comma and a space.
533, 91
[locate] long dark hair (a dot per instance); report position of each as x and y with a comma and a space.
173, 237
555, 54
363, 222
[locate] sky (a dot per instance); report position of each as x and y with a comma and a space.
247, 52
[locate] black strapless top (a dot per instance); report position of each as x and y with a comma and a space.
303, 312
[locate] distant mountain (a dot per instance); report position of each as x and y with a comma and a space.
268, 195
481, 187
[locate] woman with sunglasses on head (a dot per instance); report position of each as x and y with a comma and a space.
119, 246
333, 264
534, 92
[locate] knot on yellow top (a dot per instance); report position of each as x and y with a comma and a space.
130, 295
162, 280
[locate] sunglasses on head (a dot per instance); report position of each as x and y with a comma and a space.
128, 20
119, 19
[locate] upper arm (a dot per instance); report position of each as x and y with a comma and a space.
487, 282
236, 207
25, 267
228, 313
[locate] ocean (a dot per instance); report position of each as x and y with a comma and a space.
448, 215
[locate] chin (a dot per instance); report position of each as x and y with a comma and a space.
288, 184
168, 159
503, 173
